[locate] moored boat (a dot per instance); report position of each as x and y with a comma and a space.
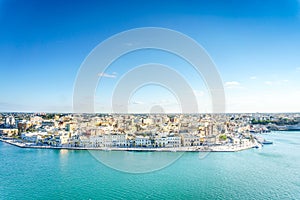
267, 142
293, 127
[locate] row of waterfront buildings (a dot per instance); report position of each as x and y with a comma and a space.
131, 130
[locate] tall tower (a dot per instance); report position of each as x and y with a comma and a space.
10, 121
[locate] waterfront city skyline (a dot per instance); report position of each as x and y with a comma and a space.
253, 44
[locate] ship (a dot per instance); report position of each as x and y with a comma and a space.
293, 127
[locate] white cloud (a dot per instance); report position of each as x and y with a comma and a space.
253, 77
298, 69
277, 83
113, 75
232, 85
138, 102
268, 82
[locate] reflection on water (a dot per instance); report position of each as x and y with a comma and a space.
63, 152
63, 158
136, 162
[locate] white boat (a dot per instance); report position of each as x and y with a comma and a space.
293, 127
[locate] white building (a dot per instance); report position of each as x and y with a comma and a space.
33, 137
84, 141
97, 141
114, 140
173, 141
160, 141
10, 121
142, 141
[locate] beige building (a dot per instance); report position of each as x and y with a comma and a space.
190, 140
9, 132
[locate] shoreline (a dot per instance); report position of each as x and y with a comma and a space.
216, 148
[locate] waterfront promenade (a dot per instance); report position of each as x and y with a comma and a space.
213, 148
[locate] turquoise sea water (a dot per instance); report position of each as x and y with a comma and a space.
272, 172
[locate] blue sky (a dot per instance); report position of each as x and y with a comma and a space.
254, 44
